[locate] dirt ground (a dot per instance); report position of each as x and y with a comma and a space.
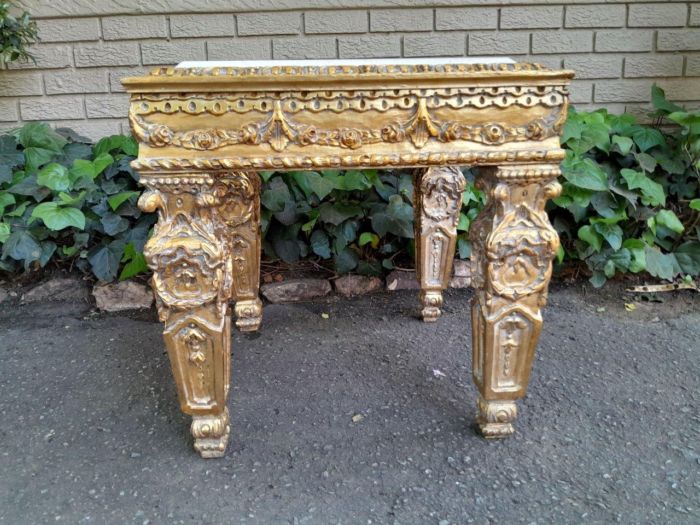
91, 432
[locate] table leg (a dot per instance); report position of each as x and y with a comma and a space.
192, 257
245, 248
513, 245
438, 201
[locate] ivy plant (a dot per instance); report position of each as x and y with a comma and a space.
629, 204
630, 193
16, 35
70, 203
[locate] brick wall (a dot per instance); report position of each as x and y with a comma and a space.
618, 48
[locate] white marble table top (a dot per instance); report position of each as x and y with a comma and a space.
347, 62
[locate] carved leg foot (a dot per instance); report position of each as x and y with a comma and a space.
495, 418
513, 245
248, 315
438, 200
211, 434
432, 302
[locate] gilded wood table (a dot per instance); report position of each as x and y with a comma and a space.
206, 129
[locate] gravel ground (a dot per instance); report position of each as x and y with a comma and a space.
91, 431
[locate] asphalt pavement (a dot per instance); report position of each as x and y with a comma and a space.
363, 417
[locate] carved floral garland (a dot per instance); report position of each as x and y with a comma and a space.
279, 131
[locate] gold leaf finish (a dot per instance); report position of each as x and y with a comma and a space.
205, 132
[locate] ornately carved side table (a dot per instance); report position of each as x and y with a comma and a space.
206, 129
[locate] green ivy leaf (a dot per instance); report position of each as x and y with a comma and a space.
276, 195
624, 144
336, 213
611, 233
40, 135
573, 127
598, 279
646, 162
638, 260
695, 204
4, 232
345, 260
688, 257
34, 158
369, 238
652, 192
464, 222
7, 199
584, 173
57, 217
71, 200
588, 234
55, 177
312, 182
104, 259
355, 180
320, 244
117, 200
10, 157
659, 101
669, 220
101, 163
113, 223
464, 247
21, 246
647, 137
659, 264
135, 263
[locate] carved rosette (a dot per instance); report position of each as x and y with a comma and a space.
438, 200
513, 245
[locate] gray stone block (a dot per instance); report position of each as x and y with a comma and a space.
369, 46
80, 81
667, 14
173, 52
532, 17
386, 20
220, 24
112, 54
246, 48
450, 19
272, 23
581, 16
571, 41
301, 48
435, 44
499, 43
345, 21
624, 40
59, 107
134, 27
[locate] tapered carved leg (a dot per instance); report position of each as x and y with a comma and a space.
438, 200
243, 215
513, 245
192, 255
